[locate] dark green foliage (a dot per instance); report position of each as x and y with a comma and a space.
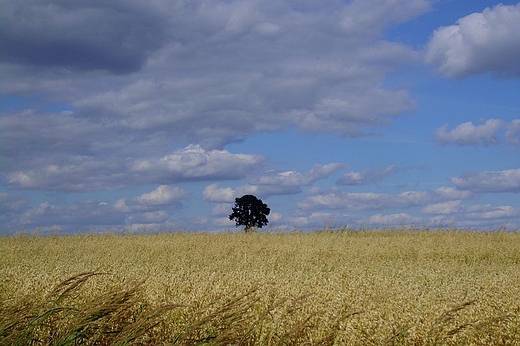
250, 212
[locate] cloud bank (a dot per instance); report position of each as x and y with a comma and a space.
131, 114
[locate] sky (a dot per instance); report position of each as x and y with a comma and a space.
129, 115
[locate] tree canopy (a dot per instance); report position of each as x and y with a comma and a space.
250, 212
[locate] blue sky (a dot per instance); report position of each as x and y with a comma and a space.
129, 115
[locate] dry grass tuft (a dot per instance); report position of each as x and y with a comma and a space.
119, 316
66, 317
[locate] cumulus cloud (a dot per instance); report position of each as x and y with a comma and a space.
150, 208
513, 132
489, 181
214, 193
447, 208
150, 217
335, 199
366, 177
281, 183
448, 193
313, 220
443, 206
393, 219
481, 214
62, 152
65, 152
346, 200
491, 212
163, 195
196, 163
294, 178
163, 198
489, 216
469, 134
222, 209
86, 175
84, 214
478, 43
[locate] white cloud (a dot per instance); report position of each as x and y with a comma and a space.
222, 209
393, 220
347, 200
294, 178
219, 221
275, 217
214, 193
448, 193
442, 207
352, 178
61, 152
121, 206
490, 212
164, 198
446, 208
513, 132
267, 190
87, 213
151, 209
469, 134
481, 216
415, 198
281, 183
163, 195
478, 43
69, 177
151, 217
489, 181
366, 177
362, 201
196, 163
313, 220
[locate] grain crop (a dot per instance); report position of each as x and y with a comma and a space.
337, 287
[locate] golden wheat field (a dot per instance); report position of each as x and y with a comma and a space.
327, 288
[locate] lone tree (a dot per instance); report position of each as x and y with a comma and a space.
250, 212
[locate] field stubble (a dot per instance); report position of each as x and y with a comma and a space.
352, 288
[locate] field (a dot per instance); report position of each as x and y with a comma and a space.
329, 287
